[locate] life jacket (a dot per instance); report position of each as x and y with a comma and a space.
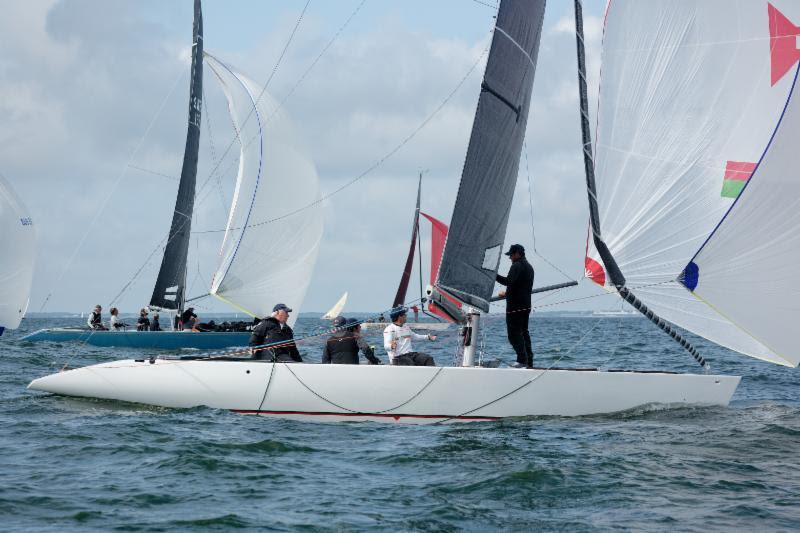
97, 320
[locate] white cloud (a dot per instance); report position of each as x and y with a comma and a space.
82, 80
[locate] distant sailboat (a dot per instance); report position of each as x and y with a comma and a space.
438, 237
260, 265
337, 308
736, 260
18, 245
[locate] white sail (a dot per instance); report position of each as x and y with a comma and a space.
336, 310
262, 264
17, 254
691, 96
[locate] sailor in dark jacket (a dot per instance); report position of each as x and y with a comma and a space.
519, 283
342, 347
275, 330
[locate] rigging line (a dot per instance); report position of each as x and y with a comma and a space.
525, 384
533, 224
113, 190
398, 406
485, 4
153, 172
136, 274
375, 165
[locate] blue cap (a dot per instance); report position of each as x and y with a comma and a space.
339, 321
279, 307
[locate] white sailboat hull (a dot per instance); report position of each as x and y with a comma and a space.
384, 393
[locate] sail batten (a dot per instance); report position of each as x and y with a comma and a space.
480, 217
168, 292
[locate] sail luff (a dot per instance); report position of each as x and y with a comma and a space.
402, 289
18, 242
168, 292
480, 217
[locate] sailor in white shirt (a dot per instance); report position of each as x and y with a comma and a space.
397, 339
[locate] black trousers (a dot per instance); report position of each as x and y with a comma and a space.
414, 359
519, 337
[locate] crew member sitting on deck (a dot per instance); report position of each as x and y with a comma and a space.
143, 324
116, 323
274, 330
342, 347
95, 320
188, 319
397, 341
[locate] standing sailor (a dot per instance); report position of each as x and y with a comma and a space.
397, 341
275, 330
95, 320
519, 283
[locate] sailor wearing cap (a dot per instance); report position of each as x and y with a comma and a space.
274, 330
519, 283
397, 339
343, 346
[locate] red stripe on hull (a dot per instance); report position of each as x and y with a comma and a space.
376, 415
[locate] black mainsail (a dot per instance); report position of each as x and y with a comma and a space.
478, 226
170, 284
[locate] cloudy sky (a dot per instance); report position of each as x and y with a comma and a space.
93, 102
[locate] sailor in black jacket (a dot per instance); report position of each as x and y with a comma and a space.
519, 283
275, 330
342, 347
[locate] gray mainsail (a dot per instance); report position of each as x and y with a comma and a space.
478, 226
170, 284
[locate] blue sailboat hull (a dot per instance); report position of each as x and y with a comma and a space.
160, 340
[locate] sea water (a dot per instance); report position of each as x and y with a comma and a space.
80, 464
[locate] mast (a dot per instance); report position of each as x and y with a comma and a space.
168, 292
402, 289
614, 272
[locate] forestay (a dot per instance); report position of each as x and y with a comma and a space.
17, 254
478, 226
261, 263
696, 107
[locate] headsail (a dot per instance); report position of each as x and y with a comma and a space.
478, 226
696, 107
402, 289
336, 310
18, 245
263, 264
170, 284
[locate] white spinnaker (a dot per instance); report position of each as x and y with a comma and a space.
687, 96
18, 245
336, 310
265, 264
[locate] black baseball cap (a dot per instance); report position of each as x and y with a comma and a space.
279, 307
515, 248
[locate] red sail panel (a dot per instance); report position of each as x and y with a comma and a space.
438, 238
782, 43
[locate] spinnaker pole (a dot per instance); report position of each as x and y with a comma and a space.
614, 272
